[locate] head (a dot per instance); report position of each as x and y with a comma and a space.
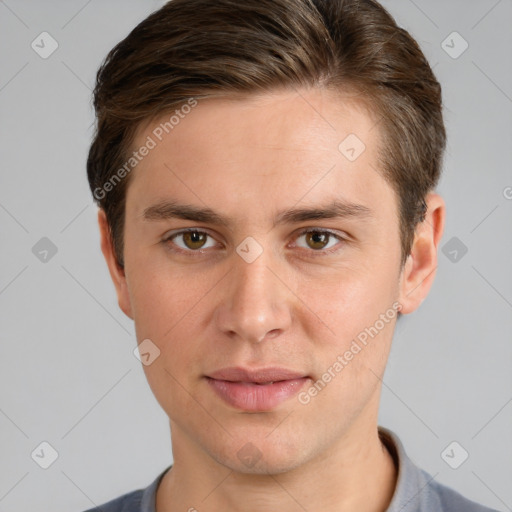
234, 118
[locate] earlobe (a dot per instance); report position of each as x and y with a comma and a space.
117, 273
420, 268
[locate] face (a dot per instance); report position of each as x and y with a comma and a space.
272, 310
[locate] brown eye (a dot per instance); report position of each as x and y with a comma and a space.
194, 239
317, 240
321, 241
190, 241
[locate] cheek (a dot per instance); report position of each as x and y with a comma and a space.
349, 370
349, 301
358, 311
160, 297
167, 312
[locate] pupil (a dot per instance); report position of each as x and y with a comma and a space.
194, 238
319, 238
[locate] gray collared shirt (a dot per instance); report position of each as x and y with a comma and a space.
415, 491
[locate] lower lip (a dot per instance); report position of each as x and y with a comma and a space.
253, 397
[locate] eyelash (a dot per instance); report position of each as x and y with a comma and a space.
199, 252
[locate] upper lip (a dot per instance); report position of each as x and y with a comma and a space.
270, 374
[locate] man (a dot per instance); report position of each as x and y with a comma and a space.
266, 173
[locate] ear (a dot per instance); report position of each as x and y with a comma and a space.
116, 271
420, 268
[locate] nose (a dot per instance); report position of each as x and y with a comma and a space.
256, 302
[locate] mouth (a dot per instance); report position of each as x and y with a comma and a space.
257, 390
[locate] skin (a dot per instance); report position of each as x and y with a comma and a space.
247, 158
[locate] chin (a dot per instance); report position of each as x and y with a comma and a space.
257, 455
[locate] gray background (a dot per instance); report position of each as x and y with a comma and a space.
67, 372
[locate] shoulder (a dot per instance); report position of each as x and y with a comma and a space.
443, 498
130, 502
418, 491
141, 500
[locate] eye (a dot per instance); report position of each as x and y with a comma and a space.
192, 240
320, 239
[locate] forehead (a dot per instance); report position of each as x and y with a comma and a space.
277, 147
267, 118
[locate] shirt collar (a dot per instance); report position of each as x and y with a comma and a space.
410, 480
411, 490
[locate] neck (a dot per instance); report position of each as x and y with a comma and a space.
358, 474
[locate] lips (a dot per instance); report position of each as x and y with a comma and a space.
256, 390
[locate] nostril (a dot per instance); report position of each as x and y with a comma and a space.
270, 334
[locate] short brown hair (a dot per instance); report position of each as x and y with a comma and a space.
204, 48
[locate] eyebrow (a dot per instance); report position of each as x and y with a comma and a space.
169, 209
